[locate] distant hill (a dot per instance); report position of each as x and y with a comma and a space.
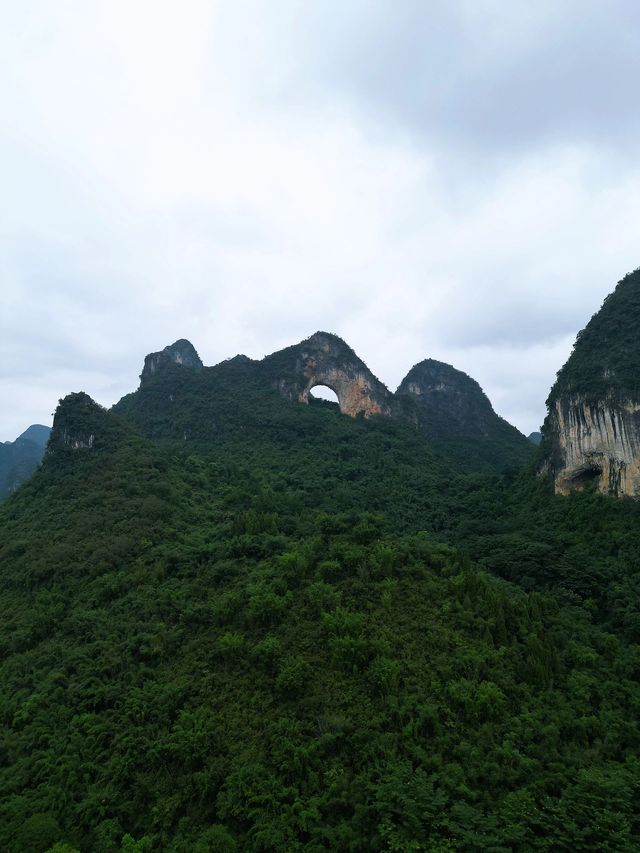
535, 437
20, 458
37, 433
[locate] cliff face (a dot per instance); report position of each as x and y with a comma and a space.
454, 412
592, 430
594, 441
325, 359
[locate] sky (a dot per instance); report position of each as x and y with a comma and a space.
456, 180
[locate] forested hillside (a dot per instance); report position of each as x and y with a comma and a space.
606, 357
237, 623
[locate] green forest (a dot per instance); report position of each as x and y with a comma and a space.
605, 362
237, 623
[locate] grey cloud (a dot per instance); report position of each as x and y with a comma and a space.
434, 68
516, 319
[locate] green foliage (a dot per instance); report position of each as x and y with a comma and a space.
605, 361
37, 832
302, 632
130, 845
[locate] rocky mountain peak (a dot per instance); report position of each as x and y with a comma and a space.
454, 411
76, 422
325, 359
448, 392
181, 352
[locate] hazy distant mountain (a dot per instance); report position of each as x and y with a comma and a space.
20, 458
37, 433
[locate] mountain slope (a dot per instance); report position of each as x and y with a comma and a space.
239, 623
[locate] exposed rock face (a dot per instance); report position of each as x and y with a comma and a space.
592, 430
594, 441
325, 359
454, 411
181, 352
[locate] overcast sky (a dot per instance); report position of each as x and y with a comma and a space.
457, 180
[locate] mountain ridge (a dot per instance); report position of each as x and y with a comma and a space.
326, 359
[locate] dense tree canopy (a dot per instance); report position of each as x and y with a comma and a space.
606, 356
235, 623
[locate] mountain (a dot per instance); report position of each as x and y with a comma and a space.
455, 414
37, 433
181, 352
449, 407
592, 431
535, 438
235, 622
20, 458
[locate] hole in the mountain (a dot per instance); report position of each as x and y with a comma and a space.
323, 395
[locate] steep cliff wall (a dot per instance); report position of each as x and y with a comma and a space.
592, 430
594, 441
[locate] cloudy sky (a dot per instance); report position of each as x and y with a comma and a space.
457, 180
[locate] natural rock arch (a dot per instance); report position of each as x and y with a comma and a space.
325, 359
319, 392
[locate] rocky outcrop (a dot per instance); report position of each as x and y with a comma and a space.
594, 441
325, 359
592, 430
454, 412
181, 352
